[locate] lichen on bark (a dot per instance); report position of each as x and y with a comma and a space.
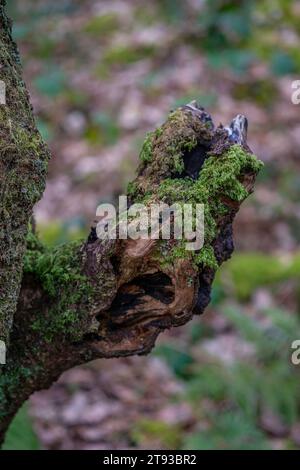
23, 167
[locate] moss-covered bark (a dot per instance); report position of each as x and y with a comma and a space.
23, 165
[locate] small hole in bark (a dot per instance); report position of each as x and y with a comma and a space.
193, 161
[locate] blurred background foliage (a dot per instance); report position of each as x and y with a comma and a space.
101, 74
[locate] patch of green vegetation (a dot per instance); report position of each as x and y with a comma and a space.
102, 130
59, 273
282, 63
52, 82
126, 55
20, 435
178, 359
230, 431
132, 188
102, 24
262, 92
57, 232
53, 267
154, 430
207, 258
146, 152
177, 252
241, 389
250, 271
24, 159
178, 163
44, 47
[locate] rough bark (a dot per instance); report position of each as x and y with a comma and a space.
23, 166
107, 298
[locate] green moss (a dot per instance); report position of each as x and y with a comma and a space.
146, 152
23, 161
59, 273
168, 255
131, 188
28, 189
56, 267
178, 163
180, 142
25, 140
219, 178
10, 384
206, 257
163, 150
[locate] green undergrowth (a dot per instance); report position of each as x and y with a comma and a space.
246, 272
152, 431
123, 55
120, 56
250, 385
57, 232
247, 385
20, 435
102, 25
231, 395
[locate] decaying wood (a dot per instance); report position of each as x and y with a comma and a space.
108, 298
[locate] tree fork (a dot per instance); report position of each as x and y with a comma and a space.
94, 299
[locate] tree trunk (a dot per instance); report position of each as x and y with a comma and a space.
23, 167
107, 298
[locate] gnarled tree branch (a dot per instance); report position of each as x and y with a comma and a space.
109, 298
